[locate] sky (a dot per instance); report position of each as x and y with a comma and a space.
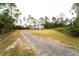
41, 8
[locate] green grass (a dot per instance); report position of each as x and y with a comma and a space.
18, 52
73, 42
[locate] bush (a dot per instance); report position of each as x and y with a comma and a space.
28, 27
21, 27
18, 27
63, 29
6, 22
74, 29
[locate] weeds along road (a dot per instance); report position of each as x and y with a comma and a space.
49, 49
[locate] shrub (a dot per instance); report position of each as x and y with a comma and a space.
63, 29
74, 29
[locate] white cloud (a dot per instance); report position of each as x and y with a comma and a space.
39, 8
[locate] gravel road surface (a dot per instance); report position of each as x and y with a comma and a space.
49, 49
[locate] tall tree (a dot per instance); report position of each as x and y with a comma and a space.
54, 19
74, 29
75, 7
47, 19
6, 21
24, 18
7, 16
42, 20
10, 6
30, 19
17, 14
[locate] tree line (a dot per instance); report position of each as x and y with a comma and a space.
68, 25
60, 23
8, 16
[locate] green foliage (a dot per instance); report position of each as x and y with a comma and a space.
56, 22
22, 28
63, 29
74, 29
47, 24
75, 7
6, 22
18, 27
7, 16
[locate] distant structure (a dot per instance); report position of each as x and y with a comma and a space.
37, 26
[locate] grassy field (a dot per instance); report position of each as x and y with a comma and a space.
8, 39
72, 42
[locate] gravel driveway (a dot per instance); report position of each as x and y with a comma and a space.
49, 49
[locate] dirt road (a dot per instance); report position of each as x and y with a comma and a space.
49, 49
